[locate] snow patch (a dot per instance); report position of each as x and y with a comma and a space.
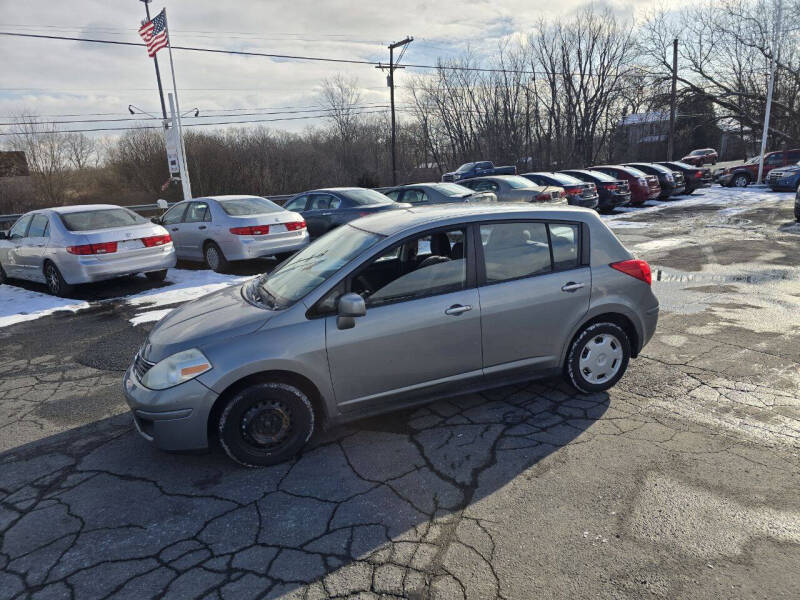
186, 285
150, 316
18, 305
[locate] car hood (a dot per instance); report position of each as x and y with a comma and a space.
789, 169
217, 316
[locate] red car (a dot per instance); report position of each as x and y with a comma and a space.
701, 156
746, 173
643, 186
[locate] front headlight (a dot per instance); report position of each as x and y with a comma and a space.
175, 369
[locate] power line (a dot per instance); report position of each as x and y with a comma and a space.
369, 112
285, 112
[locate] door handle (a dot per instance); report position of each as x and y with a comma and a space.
457, 309
174, 229
572, 286
325, 214
202, 227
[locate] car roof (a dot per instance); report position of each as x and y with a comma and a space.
391, 222
225, 197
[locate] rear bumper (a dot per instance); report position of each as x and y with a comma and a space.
86, 269
249, 247
649, 324
171, 419
585, 202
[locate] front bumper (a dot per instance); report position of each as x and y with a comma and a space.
172, 419
86, 269
724, 178
249, 247
784, 184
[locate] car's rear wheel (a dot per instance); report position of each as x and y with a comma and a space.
156, 275
3, 276
56, 284
740, 180
266, 423
215, 259
598, 357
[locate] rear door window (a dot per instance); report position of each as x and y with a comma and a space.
515, 250
38, 227
197, 213
414, 196
297, 204
566, 246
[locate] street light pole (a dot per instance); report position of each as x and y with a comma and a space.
158, 73
775, 55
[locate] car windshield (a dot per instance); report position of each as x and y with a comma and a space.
105, 218
752, 161
254, 205
363, 196
465, 167
453, 190
635, 172
314, 265
518, 182
698, 152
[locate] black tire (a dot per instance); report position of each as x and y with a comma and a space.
156, 275
266, 424
3, 276
740, 180
592, 379
56, 284
215, 259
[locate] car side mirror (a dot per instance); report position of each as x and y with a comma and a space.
156, 220
350, 306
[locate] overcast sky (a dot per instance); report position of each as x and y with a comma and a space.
64, 78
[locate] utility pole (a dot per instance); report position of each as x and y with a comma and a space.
673, 101
775, 56
390, 83
158, 73
175, 145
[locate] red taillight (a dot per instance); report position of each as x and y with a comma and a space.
573, 190
364, 214
297, 225
156, 240
250, 230
635, 268
610, 187
698, 174
544, 198
85, 249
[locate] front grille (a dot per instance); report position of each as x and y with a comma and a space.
774, 175
141, 366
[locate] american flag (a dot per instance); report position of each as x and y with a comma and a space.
154, 33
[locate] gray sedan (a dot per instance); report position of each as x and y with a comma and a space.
387, 312
514, 188
69, 245
423, 194
221, 229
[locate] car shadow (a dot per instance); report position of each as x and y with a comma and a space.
368, 506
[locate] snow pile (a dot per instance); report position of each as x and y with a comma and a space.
18, 305
185, 285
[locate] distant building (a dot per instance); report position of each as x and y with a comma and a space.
645, 135
13, 164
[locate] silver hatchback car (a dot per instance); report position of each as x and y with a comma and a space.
222, 229
390, 311
69, 245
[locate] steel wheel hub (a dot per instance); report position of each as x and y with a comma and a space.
212, 258
601, 358
267, 424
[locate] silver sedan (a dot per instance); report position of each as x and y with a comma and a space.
221, 229
514, 188
70, 245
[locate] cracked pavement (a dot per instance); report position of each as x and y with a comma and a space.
682, 481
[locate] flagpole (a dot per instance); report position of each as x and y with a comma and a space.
187, 188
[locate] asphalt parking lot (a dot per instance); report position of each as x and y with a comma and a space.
681, 482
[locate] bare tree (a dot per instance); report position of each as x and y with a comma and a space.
47, 154
81, 150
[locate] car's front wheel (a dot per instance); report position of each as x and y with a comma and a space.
266, 423
598, 357
56, 284
741, 180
